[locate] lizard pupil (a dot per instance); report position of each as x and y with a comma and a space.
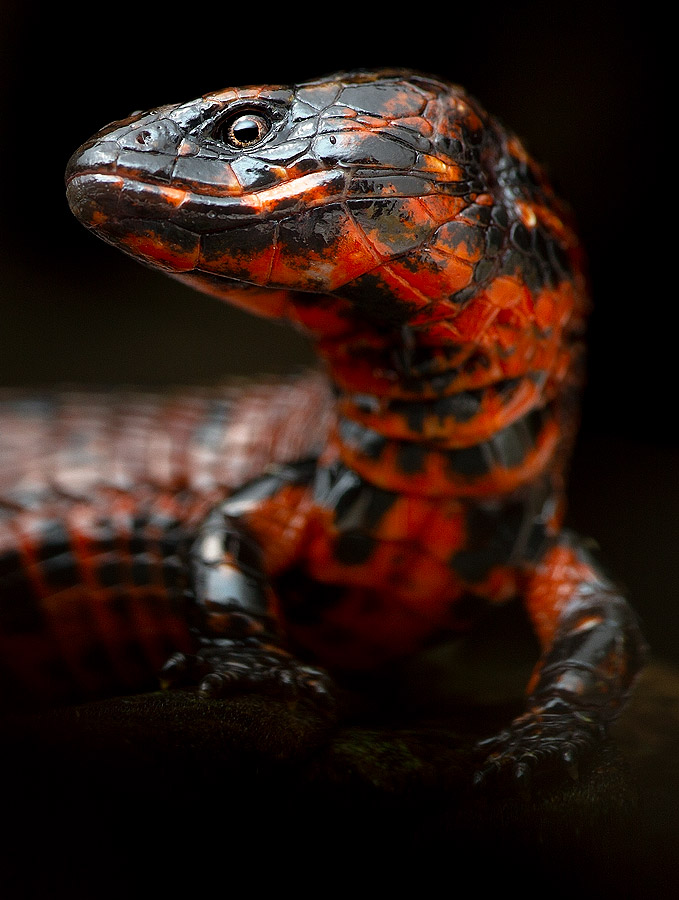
245, 129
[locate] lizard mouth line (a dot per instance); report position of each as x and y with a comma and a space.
98, 195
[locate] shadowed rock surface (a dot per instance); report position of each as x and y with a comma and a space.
133, 793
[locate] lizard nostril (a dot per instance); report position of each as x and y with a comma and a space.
144, 138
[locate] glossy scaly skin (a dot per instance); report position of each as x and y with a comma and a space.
423, 250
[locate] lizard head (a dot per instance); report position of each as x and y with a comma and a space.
390, 192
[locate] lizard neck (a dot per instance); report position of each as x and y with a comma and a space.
431, 412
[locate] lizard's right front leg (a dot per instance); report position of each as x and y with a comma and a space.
240, 645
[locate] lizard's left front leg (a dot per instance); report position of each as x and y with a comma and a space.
240, 644
592, 651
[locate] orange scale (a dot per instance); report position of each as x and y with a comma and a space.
393, 277
505, 291
551, 587
279, 524
436, 277
559, 228
456, 271
226, 96
545, 309
484, 200
445, 172
418, 123
293, 270
441, 333
444, 530
514, 318
375, 123
351, 257
526, 213
442, 207
363, 377
323, 322
475, 319
254, 267
163, 252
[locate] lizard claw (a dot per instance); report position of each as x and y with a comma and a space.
538, 744
230, 667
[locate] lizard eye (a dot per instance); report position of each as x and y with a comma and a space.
244, 128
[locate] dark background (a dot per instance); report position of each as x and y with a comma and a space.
582, 84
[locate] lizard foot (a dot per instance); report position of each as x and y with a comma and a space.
227, 667
546, 741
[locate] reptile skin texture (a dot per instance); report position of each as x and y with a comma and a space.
279, 536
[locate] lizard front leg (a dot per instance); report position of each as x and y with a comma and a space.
592, 651
236, 625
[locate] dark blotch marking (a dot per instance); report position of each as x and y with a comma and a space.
315, 231
105, 536
176, 540
375, 301
507, 387
11, 563
111, 571
54, 540
174, 572
461, 407
492, 533
20, 610
139, 540
353, 548
449, 146
239, 243
469, 461
305, 600
143, 569
61, 571
508, 447
410, 457
534, 422
481, 215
